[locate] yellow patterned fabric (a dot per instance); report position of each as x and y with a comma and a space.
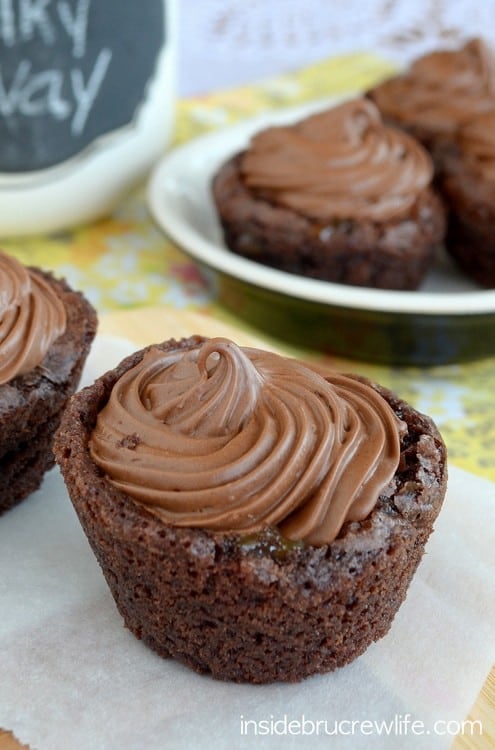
124, 261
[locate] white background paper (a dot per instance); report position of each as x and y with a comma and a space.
230, 42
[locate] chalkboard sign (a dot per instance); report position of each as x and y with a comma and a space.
70, 72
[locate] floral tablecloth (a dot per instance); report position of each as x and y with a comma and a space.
124, 261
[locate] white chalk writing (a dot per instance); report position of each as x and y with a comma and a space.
34, 18
75, 24
65, 93
7, 23
32, 94
86, 94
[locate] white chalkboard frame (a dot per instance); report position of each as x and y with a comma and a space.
87, 185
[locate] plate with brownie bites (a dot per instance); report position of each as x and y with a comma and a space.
426, 314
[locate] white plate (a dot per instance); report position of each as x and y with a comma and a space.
180, 201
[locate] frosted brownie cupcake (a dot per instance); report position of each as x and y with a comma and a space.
45, 333
338, 196
441, 91
468, 185
256, 518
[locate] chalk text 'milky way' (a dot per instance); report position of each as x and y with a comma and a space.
63, 91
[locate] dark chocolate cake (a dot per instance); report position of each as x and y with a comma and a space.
34, 393
440, 92
179, 495
468, 185
338, 197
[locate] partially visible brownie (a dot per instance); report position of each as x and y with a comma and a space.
259, 606
31, 403
468, 185
440, 91
337, 197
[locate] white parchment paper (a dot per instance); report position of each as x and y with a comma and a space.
72, 676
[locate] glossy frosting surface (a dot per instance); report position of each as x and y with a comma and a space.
443, 89
32, 317
339, 164
235, 439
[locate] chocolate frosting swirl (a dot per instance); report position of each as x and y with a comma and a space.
236, 439
477, 142
32, 316
339, 164
441, 90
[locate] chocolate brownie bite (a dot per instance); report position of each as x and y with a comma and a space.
338, 197
46, 330
440, 91
468, 185
256, 518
